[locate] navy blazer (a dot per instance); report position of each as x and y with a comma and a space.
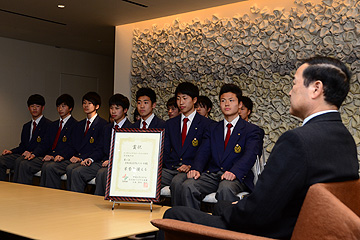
238, 157
102, 150
155, 123
321, 151
37, 138
175, 154
63, 147
83, 147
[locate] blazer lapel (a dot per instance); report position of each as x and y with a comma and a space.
177, 135
191, 133
34, 137
89, 133
154, 122
219, 139
235, 135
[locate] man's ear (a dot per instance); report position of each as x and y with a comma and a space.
154, 105
125, 110
317, 89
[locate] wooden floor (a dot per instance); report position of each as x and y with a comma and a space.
42, 213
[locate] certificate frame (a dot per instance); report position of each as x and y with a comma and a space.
135, 165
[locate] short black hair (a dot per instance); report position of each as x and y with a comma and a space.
229, 87
187, 88
92, 97
120, 100
66, 99
36, 99
334, 75
204, 102
146, 92
248, 103
172, 103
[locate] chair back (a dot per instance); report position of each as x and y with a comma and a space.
330, 211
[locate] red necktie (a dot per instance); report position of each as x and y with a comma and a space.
228, 133
117, 128
184, 130
87, 127
57, 136
144, 125
34, 127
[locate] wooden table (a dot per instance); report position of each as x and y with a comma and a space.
44, 213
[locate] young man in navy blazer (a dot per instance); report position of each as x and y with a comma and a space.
32, 134
56, 144
224, 161
84, 139
119, 105
321, 150
183, 137
146, 103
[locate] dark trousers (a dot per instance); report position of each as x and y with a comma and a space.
52, 172
82, 174
195, 216
174, 179
193, 191
101, 178
27, 169
9, 161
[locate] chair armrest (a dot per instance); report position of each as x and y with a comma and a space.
175, 229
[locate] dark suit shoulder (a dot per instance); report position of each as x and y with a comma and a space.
157, 123
135, 124
126, 124
44, 121
101, 121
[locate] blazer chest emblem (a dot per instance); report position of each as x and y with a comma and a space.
237, 148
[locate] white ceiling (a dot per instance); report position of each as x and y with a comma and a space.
85, 25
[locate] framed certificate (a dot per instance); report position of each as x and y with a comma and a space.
134, 172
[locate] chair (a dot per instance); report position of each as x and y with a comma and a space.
330, 211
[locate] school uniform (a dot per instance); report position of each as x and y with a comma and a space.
82, 146
53, 145
213, 159
103, 153
82, 174
29, 142
155, 122
177, 154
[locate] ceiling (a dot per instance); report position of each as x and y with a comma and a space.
85, 25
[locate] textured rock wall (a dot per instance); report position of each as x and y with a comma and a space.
259, 55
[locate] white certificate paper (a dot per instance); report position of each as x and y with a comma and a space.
135, 164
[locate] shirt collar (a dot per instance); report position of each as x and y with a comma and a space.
92, 119
233, 122
38, 120
148, 120
65, 119
121, 123
317, 114
190, 117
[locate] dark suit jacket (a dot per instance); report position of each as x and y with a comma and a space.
83, 147
174, 153
155, 123
63, 147
322, 150
239, 155
102, 150
37, 138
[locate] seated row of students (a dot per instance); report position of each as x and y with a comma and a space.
197, 159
